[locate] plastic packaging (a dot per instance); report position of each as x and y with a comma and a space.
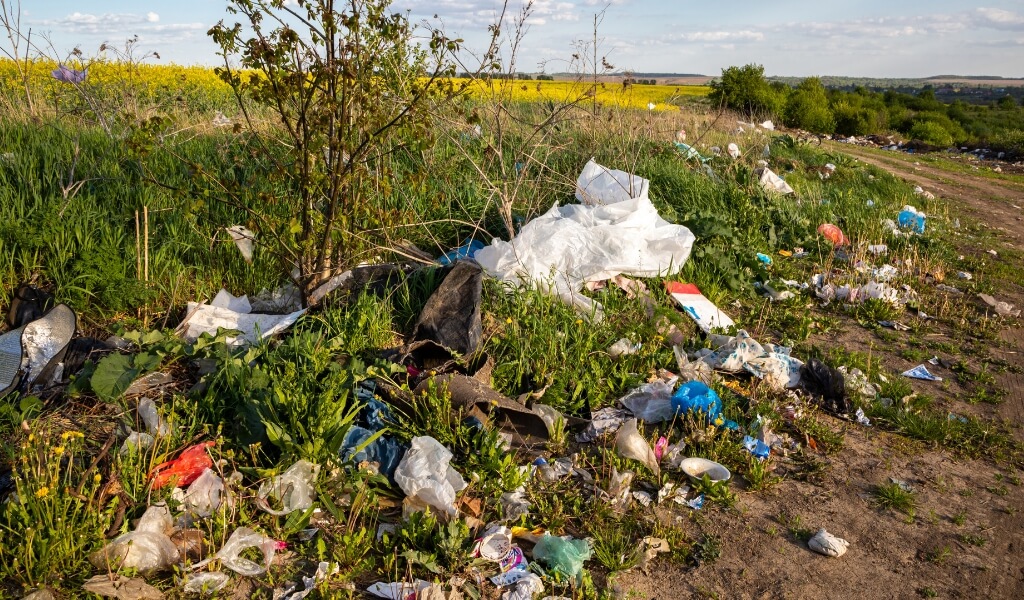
921, 372
562, 555
825, 543
773, 183
912, 219
700, 309
398, 590
822, 380
563, 249
155, 424
230, 555
694, 396
623, 347
293, 489
733, 150
121, 588
205, 494
185, 469
630, 444
651, 402
147, 548
756, 447
525, 589
426, 476
207, 583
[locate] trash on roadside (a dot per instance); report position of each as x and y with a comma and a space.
696, 468
651, 402
862, 418
33, 352
825, 543
496, 545
606, 420
733, 150
562, 555
155, 424
756, 447
427, 478
912, 219
147, 548
293, 489
243, 240
467, 250
768, 125
827, 171
616, 230
234, 313
630, 444
833, 234
204, 495
701, 310
921, 372
964, 275
878, 249
185, 469
398, 590
949, 289
1003, 309
241, 539
514, 504
121, 588
206, 583
689, 152
772, 182
764, 259
652, 548
673, 455
769, 362
696, 396
921, 192
623, 347
894, 325
827, 383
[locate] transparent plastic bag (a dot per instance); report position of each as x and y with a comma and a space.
293, 489
563, 555
205, 494
147, 548
630, 444
230, 555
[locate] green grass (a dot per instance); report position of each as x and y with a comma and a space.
893, 496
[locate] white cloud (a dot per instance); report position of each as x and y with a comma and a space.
999, 19
722, 36
152, 17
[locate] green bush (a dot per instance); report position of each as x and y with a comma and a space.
932, 133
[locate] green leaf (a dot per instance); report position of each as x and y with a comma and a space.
112, 377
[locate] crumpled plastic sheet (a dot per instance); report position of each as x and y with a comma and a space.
243, 239
524, 589
398, 590
230, 555
291, 592
563, 555
619, 231
231, 312
205, 495
606, 420
147, 548
426, 476
772, 182
375, 415
651, 402
770, 363
293, 489
156, 426
921, 372
825, 543
44, 338
206, 584
121, 588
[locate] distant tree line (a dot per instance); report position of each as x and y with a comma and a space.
919, 116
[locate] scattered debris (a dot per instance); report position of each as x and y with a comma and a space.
242, 237
427, 478
630, 444
293, 489
772, 182
696, 468
1002, 309
825, 543
122, 588
912, 219
701, 310
233, 313
921, 372
833, 234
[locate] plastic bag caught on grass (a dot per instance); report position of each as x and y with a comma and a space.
630, 444
562, 555
293, 489
651, 402
598, 185
149, 415
146, 549
695, 396
206, 584
398, 590
122, 588
230, 555
426, 476
185, 469
205, 494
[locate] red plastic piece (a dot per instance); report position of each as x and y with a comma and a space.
833, 234
185, 469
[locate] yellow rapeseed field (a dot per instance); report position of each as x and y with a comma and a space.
663, 97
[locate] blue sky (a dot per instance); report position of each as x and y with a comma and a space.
789, 37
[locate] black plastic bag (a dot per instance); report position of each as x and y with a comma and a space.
828, 384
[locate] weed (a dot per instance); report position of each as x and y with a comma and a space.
615, 544
759, 474
938, 555
960, 518
716, 491
973, 539
893, 496
707, 550
794, 524
928, 592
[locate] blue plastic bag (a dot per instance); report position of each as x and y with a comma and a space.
467, 250
695, 395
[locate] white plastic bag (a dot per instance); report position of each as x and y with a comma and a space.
399, 590
149, 415
630, 444
230, 554
598, 185
733, 150
825, 543
147, 548
293, 489
772, 182
571, 245
426, 477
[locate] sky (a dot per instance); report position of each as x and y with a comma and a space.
866, 38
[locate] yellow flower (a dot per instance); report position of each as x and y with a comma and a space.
97, 478
71, 434
42, 492
31, 437
579, 321
58, 450
509, 320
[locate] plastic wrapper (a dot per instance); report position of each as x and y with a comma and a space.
230, 555
562, 555
293, 489
146, 549
630, 444
525, 589
833, 234
733, 150
696, 396
772, 182
426, 476
398, 590
155, 424
121, 588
